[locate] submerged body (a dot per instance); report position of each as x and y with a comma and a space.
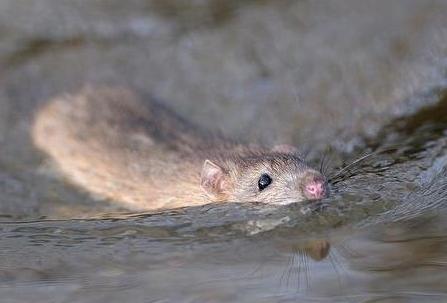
146, 157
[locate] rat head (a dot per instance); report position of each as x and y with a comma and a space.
276, 178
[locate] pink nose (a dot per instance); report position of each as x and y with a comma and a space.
315, 189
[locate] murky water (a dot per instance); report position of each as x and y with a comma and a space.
369, 79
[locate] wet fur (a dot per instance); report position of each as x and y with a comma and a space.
144, 155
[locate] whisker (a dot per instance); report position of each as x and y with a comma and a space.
298, 254
322, 162
360, 159
298, 269
335, 264
327, 165
292, 269
286, 273
306, 269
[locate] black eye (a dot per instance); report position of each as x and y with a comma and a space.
264, 181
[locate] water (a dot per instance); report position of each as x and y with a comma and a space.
381, 236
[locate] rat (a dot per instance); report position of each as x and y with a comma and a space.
146, 157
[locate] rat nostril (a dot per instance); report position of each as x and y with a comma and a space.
315, 189
311, 188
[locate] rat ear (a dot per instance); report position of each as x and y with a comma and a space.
285, 149
214, 180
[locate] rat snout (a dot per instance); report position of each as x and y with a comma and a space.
314, 190
315, 187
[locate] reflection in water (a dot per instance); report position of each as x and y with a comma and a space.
404, 260
299, 268
396, 262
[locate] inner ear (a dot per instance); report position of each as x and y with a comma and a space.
285, 149
215, 180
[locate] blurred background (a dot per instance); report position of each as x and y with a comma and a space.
311, 73
347, 76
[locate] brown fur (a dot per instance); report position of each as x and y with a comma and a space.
146, 157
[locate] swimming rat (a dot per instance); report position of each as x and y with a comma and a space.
146, 157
